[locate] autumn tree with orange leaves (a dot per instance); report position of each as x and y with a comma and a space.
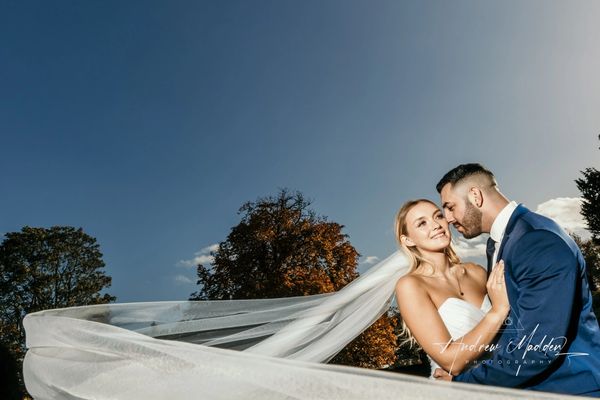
281, 248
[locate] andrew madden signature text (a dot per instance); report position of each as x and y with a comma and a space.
544, 348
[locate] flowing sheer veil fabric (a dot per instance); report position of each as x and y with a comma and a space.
232, 349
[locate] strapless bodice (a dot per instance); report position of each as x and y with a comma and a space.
460, 317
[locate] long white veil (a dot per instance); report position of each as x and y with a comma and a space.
229, 349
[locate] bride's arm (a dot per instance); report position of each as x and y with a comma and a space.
422, 318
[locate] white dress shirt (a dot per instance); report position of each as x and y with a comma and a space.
499, 227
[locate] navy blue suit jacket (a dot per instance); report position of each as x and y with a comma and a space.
551, 308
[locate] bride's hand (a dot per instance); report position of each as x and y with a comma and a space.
442, 375
496, 288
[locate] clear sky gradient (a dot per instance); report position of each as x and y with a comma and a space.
149, 123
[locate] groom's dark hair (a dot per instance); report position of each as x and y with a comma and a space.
461, 172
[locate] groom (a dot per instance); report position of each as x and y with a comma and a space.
556, 346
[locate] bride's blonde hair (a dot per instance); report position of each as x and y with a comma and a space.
414, 255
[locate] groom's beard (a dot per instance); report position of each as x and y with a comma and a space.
471, 222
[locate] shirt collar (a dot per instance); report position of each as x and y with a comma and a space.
499, 225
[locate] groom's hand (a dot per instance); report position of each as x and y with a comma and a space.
441, 375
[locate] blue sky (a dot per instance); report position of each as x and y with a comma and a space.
149, 123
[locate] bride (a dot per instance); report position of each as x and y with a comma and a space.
444, 303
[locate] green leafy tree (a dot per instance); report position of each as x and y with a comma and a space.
281, 248
10, 388
591, 254
589, 186
46, 268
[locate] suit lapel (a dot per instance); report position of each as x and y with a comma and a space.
519, 211
512, 323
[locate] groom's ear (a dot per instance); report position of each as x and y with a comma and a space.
475, 196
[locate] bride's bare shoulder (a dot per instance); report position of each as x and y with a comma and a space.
410, 284
411, 292
477, 270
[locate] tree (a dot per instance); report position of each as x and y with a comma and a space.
46, 268
374, 348
589, 186
591, 254
10, 388
281, 248
410, 356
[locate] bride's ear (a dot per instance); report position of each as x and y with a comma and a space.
406, 241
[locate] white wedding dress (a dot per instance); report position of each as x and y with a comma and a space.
460, 316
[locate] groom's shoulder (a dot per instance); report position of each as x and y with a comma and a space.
542, 227
538, 221
532, 224
536, 234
